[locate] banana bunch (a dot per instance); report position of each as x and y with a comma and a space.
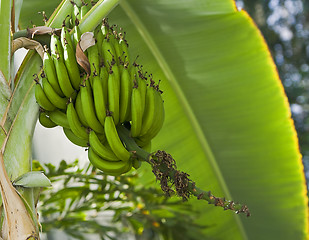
92, 106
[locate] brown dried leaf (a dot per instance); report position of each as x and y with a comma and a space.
86, 41
82, 59
41, 30
28, 44
17, 222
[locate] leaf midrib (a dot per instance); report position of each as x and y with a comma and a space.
183, 100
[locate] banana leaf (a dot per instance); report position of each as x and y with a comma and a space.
228, 122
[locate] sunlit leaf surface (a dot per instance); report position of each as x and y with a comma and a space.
227, 118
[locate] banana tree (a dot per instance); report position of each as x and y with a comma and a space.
228, 122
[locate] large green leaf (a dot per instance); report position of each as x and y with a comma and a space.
21, 119
5, 46
32, 12
227, 118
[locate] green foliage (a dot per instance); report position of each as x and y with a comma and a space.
228, 122
284, 25
84, 201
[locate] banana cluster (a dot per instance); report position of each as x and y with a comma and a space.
91, 106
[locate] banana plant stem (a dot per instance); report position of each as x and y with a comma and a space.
131, 145
94, 17
165, 170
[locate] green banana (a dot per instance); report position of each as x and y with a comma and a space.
63, 77
50, 73
72, 66
55, 47
98, 95
118, 48
113, 139
108, 167
147, 147
76, 35
94, 59
88, 107
124, 46
67, 21
142, 142
142, 86
45, 121
65, 37
105, 29
99, 37
53, 97
113, 96
74, 123
116, 70
84, 9
104, 80
136, 111
158, 121
128, 167
59, 118
102, 138
150, 109
108, 51
125, 95
74, 139
41, 98
75, 14
70, 59
79, 110
136, 163
103, 150
134, 71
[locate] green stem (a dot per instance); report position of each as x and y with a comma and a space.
131, 145
43, 39
56, 19
88, 23
94, 17
165, 170
21, 33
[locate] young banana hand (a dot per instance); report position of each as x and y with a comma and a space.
93, 108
